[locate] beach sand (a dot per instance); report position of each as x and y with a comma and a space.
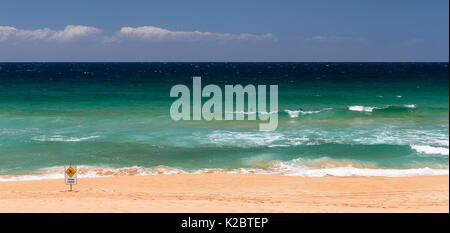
229, 193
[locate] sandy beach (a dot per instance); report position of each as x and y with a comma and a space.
229, 193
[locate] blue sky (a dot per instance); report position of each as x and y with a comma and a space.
224, 30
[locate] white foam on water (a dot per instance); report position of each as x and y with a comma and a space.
60, 138
409, 106
404, 137
325, 167
352, 171
425, 149
297, 113
388, 135
343, 172
359, 108
243, 139
91, 172
287, 168
293, 114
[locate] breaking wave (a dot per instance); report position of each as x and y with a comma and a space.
91, 171
389, 108
296, 167
359, 108
297, 113
425, 149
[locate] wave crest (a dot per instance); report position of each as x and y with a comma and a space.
359, 108
389, 108
296, 167
425, 149
297, 113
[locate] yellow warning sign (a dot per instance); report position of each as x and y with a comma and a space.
70, 175
70, 171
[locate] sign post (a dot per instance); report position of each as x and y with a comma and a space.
70, 175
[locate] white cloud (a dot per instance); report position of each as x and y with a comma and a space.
333, 38
155, 33
330, 38
70, 32
74, 31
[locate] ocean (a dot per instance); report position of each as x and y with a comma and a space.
335, 119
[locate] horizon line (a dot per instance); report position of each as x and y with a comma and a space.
224, 61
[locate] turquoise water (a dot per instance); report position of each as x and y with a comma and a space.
113, 118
